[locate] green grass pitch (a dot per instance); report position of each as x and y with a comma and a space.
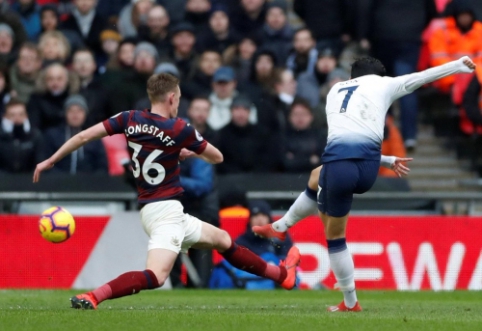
243, 310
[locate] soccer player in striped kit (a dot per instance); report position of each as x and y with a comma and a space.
157, 141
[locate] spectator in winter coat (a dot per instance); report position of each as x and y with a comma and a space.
90, 158
25, 72
304, 56
382, 23
29, 13
50, 21
249, 16
7, 51
156, 30
11, 19
20, 143
219, 35
246, 147
309, 83
303, 144
198, 114
224, 91
201, 81
331, 21
46, 106
240, 57
91, 88
197, 12
87, 23
133, 16
277, 32
183, 54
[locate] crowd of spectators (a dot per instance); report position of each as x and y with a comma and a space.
252, 83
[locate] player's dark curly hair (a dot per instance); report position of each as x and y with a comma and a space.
367, 66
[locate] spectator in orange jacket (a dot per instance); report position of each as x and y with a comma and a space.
459, 35
392, 145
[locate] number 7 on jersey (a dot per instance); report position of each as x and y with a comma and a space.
348, 95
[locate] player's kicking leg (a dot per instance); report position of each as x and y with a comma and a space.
242, 258
159, 265
304, 206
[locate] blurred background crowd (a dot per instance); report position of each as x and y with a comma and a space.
254, 73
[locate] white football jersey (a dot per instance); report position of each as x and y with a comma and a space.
356, 110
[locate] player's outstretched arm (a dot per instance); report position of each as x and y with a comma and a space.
408, 83
95, 132
211, 154
396, 164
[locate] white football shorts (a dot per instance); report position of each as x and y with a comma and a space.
168, 227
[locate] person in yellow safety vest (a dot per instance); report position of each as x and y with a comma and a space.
458, 35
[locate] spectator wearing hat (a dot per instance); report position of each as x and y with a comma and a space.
7, 52
201, 81
246, 147
197, 12
11, 19
219, 34
277, 32
240, 57
248, 16
46, 105
302, 144
331, 21
110, 40
156, 30
25, 71
29, 13
224, 91
304, 55
133, 16
91, 88
183, 54
259, 215
90, 158
310, 82
20, 143
87, 23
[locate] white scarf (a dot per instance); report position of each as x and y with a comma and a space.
7, 125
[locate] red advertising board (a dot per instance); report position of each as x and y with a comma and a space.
394, 252
390, 252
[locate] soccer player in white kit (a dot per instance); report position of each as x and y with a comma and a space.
356, 111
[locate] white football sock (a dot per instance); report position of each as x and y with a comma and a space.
303, 207
342, 265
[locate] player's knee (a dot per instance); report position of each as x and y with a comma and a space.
224, 241
313, 181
